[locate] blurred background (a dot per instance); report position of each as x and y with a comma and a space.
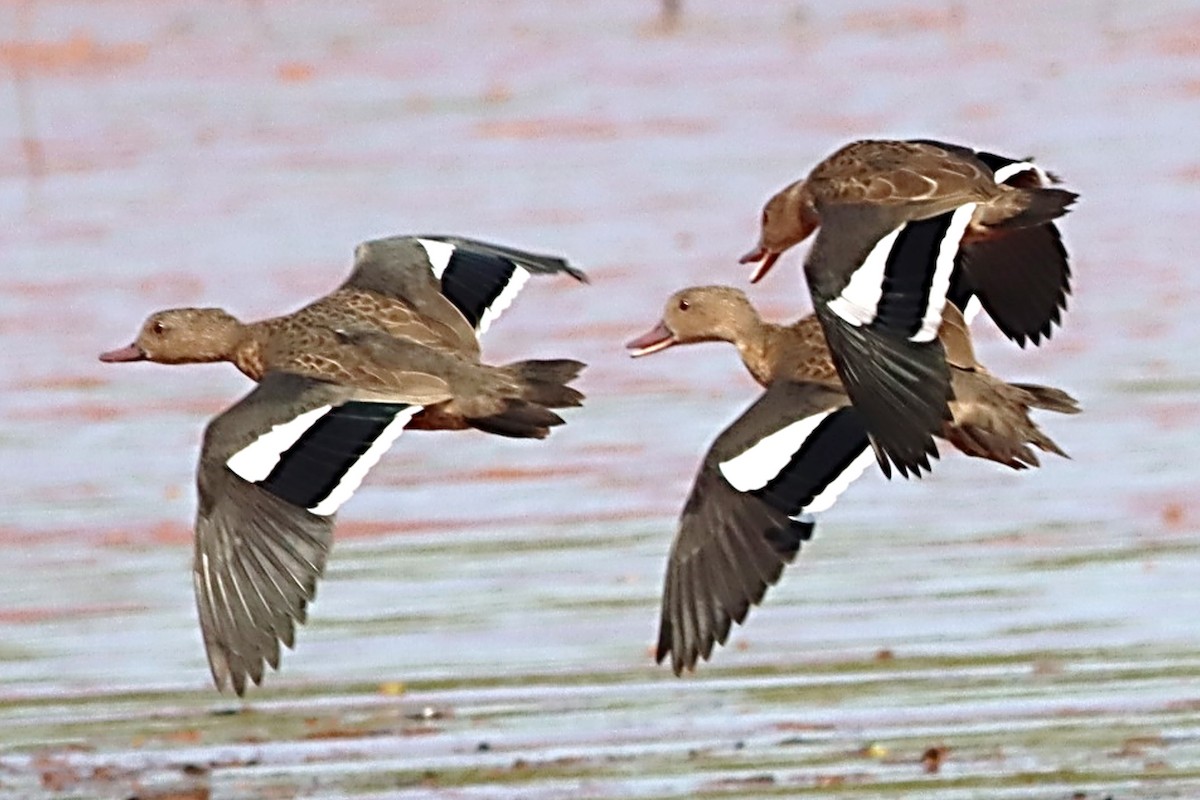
1036, 632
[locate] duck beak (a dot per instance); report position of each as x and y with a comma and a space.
760, 253
660, 338
130, 353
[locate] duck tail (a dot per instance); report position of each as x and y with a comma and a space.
991, 419
544, 383
1048, 398
1030, 207
520, 419
541, 386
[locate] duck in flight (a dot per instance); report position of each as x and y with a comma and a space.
902, 228
793, 452
395, 347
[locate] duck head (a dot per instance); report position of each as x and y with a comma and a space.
788, 218
698, 314
182, 336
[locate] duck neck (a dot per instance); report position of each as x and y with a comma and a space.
249, 353
755, 343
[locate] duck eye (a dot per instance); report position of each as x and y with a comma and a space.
157, 328
684, 305
766, 216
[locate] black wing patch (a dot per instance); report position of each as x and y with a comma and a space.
910, 274
534, 262
321, 462
310, 470
960, 291
475, 282
481, 279
822, 468
899, 288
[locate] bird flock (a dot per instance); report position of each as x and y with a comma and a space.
910, 239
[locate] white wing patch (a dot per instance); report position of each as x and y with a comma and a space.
353, 478
942, 270
517, 282
755, 467
829, 495
255, 461
1017, 167
439, 255
858, 302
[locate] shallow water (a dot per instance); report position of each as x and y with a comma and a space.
1039, 626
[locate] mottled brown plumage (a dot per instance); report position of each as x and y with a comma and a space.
922, 178
361, 340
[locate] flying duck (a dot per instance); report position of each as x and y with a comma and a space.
893, 217
793, 452
396, 346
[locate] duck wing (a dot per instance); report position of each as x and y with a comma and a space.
462, 284
1023, 277
482, 279
922, 177
274, 468
1022, 280
879, 282
751, 506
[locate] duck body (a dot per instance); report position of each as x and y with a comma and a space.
983, 408
396, 347
989, 418
794, 451
895, 224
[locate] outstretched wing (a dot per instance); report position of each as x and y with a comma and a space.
274, 468
880, 283
462, 283
483, 279
785, 459
879, 288
1022, 277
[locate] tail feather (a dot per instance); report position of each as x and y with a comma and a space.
1001, 447
559, 370
540, 386
545, 382
519, 420
1048, 398
991, 418
1034, 207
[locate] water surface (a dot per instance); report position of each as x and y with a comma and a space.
484, 628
